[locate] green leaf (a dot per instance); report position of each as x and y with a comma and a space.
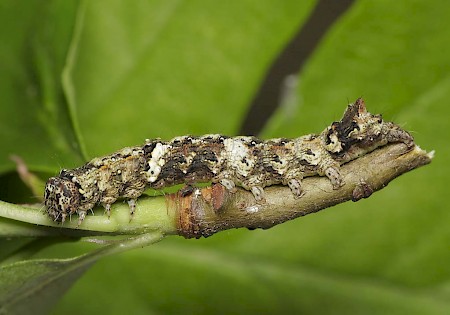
34, 286
34, 123
166, 68
174, 278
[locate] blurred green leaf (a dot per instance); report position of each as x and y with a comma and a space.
34, 286
34, 122
175, 278
166, 68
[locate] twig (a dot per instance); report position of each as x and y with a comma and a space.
214, 209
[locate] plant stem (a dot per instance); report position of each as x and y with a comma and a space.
214, 209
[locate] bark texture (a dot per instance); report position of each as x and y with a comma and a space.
213, 209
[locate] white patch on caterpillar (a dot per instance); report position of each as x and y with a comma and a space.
334, 145
156, 162
239, 155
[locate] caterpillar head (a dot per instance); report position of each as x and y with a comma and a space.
62, 198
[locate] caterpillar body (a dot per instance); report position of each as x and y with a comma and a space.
243, 161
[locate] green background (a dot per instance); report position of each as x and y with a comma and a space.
84, 78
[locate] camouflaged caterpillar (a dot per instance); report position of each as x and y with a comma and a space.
244, 161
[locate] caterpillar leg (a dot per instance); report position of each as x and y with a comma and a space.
107, 201
81, 216
228, 184
293, 179
258, 192
254, 184
132, 205
63, 217
296, 187
330, 168
107, 207
334, 176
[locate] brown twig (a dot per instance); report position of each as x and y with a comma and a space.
213, 209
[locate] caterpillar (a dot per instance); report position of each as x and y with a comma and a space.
244, 161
